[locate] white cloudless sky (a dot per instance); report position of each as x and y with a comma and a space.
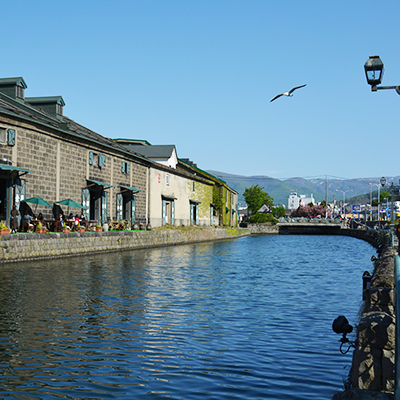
200, 74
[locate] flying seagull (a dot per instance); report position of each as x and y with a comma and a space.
289, 93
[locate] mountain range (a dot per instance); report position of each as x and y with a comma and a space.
356, 190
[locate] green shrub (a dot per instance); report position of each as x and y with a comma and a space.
262, 218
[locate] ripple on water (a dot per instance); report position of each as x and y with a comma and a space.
247, 319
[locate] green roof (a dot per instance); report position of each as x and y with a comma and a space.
45, 100
5, 167
100, 183
13, 81
131, 188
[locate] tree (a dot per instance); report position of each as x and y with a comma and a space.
307, 211
279, 211
255, 197
384, 195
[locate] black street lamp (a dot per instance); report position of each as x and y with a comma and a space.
383, 183
374, 73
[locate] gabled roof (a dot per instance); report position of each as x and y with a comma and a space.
13, 81
153, 152
45, 100
141, 142
17, 109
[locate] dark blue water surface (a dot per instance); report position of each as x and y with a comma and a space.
249, 318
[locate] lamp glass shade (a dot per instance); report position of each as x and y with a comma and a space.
383, 181
374, 70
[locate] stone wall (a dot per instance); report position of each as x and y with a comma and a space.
372, 374
263, 228
41, 246
59, 165
373, 358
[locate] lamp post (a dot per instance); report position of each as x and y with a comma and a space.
344, 197
374, 73
382, 182
393, 189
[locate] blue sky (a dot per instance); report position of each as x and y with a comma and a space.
201, 74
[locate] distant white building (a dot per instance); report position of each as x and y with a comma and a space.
295, 201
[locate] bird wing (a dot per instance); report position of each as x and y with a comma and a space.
279, 95
297, 87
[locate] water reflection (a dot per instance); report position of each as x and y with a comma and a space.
249, 318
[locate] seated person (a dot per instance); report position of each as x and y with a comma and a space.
75, 222
71, 220
83, 221
40, 219
27, 221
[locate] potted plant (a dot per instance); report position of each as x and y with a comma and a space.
4, 230
80, 228
66, 228
40, 228
99, 228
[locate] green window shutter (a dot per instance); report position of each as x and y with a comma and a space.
90, 157
127, 168
173, 213
102, 160
11, 137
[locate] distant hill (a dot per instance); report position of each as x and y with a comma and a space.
280, 190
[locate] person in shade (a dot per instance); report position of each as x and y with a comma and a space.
14, 219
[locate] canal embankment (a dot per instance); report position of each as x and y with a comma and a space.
24, 247
372, 372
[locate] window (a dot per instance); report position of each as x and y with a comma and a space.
11, 137
59, 109
3, 135
90, 157
20, 92
167, 179
125, 167
102, 160
194, 187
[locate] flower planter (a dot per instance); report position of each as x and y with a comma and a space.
65, 230
99, 229
40, 230
81, 230
4, 231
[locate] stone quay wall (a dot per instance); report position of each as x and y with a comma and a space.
266, 228
24, 247
372, 373
374, 357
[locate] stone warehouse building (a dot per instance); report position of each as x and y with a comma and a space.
179, 192
44, 153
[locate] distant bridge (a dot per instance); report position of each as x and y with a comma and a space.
311, 228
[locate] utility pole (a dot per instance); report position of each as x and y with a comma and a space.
326, 197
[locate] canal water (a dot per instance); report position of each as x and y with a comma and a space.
249, 318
